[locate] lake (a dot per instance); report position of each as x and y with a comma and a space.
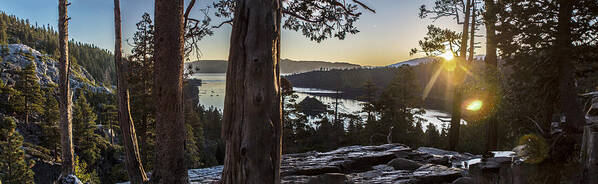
211, 93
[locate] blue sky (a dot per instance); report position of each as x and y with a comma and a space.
385, 38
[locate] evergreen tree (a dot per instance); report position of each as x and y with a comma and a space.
84, 173
398, 105
8, 98
3, 35
369, 104
31, 100
84, 125
15, 169
109, 118
141, 84
50, 127
432, 136
194, 133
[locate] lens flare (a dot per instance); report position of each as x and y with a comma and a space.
475, 105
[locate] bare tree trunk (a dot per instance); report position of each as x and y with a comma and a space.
458, 76
170, 166
472, 32
490, 18
567, 88
132, 159
491, 62
66, 127
252, 125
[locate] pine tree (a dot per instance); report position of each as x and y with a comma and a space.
84, 173
29, 88
397, 104
86, 141
141, 79
109, 118
369, 100
3, 35
8, 98
15, 169
51, 117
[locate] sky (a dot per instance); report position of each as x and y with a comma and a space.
385, 36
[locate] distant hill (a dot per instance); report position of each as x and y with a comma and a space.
417, 61
287, 66
414, 62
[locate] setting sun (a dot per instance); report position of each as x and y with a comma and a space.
474, 105
448, 55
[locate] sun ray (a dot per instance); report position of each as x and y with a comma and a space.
431, 83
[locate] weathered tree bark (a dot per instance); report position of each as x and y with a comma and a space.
567, 88
170, 166
132, 159
66, 127
252, 110
458, 76
491, 62
472, 32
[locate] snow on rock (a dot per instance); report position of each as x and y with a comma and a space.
20, 56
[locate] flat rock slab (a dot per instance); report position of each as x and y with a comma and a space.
357, 164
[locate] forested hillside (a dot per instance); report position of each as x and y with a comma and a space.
287, 66
351, 82
44, 38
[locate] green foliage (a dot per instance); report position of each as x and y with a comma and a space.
397, 104
84, 125
140, 77
84, 173
8, 99
30, 102
3, 35
51, 117
194, 135
15, 169
369, 104
437, 40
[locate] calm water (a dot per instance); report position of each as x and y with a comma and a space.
211, 93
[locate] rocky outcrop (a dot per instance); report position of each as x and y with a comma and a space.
17, 56
389, 163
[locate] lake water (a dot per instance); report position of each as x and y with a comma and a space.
211, 93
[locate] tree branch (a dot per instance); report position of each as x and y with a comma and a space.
188, 10
222, 23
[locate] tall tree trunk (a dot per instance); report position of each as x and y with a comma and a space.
170, 166
66, 127
132, 159
252, 110
567, 88
458, 76
491, 62
472, 32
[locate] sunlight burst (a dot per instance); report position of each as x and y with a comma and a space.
448, 55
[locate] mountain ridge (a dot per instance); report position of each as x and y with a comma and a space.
287, 66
